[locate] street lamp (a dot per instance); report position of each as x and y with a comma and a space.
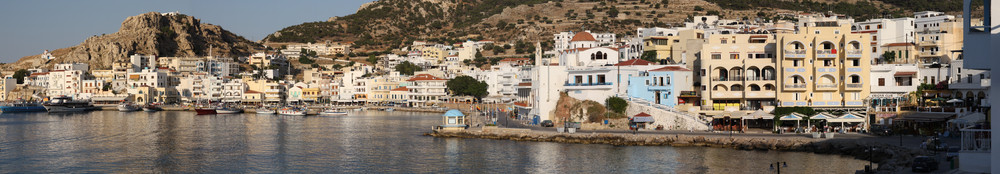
871, 159
778, 165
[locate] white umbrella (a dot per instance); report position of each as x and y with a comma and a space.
954, 101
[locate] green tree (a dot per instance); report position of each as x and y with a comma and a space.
889, 56
372, 59
649, 56
407, 68
305, 60
616, 104
468, 86
698, 8
337, 66
614, 12
20, 74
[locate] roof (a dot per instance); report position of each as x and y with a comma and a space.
524, 84
583, 36
585, 49
400, 89
634, 62
252, 92
420, 77
453, 113
513, 59
904, 73
133, 77
898, 44
642, 114
671, 68
521, 104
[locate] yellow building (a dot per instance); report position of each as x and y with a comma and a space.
824, 65
905, 53
739, 72
676, 49
310, 94
936, 45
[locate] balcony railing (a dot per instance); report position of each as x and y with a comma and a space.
727, 78
759, 78
824, 51
976, 140
588, 84
826, 85
795, 51
796, 85
854, 52
853, 85
689, 93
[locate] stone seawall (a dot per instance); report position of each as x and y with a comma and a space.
889, 159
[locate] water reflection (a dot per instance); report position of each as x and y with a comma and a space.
369, 142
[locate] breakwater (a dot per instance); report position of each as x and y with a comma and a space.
889, 158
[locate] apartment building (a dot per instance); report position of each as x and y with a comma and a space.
739, 72
824, 65
426, 89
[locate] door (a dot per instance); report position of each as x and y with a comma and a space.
657, 97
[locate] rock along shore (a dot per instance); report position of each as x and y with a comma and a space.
889, 158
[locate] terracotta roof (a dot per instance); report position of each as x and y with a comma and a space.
898, 44
584, 49
642, 114
521, 104
513, 59
424, 77
400, 89
671, 68
905, 73
758, 36
524, 84
634, 62
133, 77
252, 92
583, 36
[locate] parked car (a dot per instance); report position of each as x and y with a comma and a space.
924, 164
547, 123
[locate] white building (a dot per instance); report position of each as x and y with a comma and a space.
426, 90
980, 50
232, 90
586, 39
886, 31
140, 62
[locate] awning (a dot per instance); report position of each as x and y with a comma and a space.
759, 114
849, 118
792, 116
822, 116
643, 119
924, 116
905, 73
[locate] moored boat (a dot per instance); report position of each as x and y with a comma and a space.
332, 112
67, 104
22, 107
293, 111
128, 107
151, 108
265, 111
205, 110
389, 109
228, 110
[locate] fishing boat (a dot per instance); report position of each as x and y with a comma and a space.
128, 107
151, 108
22, 106
205, 110
67, 104
265, 111
332, 112
228, 110
293, 111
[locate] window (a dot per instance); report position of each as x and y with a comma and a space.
827, 62
881, 81
903, 81
796, 95
795, 63
879, 26
982, 76
868, 27
817, 31
734, 56
724, 41
716, 56
600, 79
874, 38
856, 62
702, 72
959, 70
579, 79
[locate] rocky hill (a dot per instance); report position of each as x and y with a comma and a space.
388, 24
161, 34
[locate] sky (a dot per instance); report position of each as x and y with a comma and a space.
32, 26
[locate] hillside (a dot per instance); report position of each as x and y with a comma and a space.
164, 35
389, 24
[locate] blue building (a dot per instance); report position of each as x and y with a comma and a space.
661, 85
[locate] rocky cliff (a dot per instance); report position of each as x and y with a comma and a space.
161, 34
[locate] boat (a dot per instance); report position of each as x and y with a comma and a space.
228, 110
389, 109
205, 110
293, 111
332, 112
22, 106
265, 111
67, 104
128, 107
151, 108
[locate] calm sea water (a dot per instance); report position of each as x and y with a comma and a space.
368, 142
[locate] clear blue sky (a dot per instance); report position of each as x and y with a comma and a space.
29, 27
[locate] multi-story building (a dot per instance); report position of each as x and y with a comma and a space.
662, 85
936, 36
885, 32
67, 79
7, 84
233, 90
222, 67
426, 89
586, 39
739, 72
824, 65
139, 62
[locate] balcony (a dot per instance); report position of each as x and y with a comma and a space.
727, 78
826, 86
727, 94
975, 150
760, 78
689, 94
571, 86
854, 86
929, 54
795, 53
825, 54
796, 86
855, 53
984, 83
